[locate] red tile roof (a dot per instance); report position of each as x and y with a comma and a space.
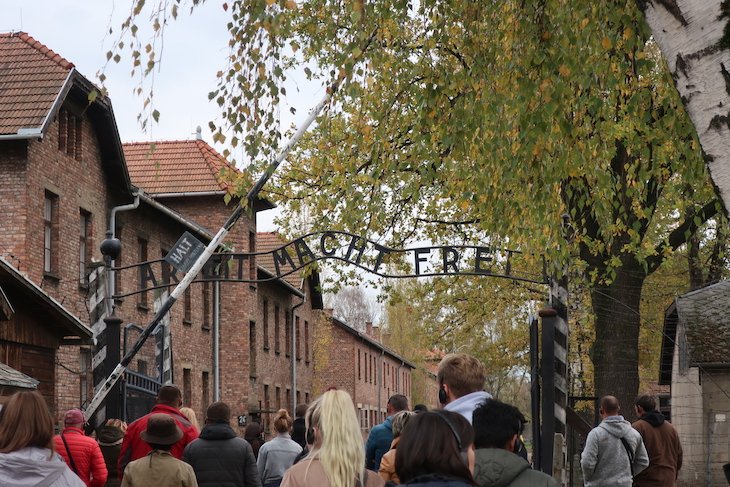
176, 166
268, 241
31, 77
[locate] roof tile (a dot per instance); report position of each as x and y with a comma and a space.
704, 315
176, 166
267, 242
31, 77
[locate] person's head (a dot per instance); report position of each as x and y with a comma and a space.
609, 407
333, 425
497, 425
74, 418
300, 410
435, 442
459, 374
25, 421
396, 403
399, 422
190, 414
169, 395
162, 432
117, 423
420, 408
218, 412
253, 431
645, 404
282, 421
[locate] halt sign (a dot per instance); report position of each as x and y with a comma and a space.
185, 252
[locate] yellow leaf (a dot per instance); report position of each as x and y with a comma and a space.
269, 3
584, 22
606, 43
564, 70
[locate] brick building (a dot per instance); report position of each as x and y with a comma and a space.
360, 364
66, 181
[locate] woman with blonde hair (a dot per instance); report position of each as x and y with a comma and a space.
26, 445
337, 458
190, 415
278, 454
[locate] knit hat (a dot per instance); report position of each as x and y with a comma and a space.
161, 430
74, 416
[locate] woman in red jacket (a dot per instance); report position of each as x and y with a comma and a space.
81, 453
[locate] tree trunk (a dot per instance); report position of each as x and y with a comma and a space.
688, 33
615, 351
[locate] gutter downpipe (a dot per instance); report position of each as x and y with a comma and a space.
294, 350
380, 373
110, 234
216, 340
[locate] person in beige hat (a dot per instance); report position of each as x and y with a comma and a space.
159, 468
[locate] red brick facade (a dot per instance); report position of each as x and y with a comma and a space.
361, 365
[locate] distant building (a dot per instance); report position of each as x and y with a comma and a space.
695, 362
361, 365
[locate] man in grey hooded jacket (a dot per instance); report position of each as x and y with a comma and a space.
614, 451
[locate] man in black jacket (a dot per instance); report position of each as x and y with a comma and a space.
218, 456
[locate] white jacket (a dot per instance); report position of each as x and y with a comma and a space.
465, 405
36, 467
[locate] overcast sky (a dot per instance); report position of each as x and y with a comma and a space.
195, 47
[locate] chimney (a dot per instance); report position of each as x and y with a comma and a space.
369, 328
376, 333
199, 133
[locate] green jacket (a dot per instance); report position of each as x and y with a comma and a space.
495, 467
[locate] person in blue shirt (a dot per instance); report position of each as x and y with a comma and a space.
381, 436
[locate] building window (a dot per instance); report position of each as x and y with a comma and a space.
306, 398
266, 324
142, 251
85, 361
252, 349
205, 391
287, 333
288, 398
187, 388
277, 335
50, 234
306, 343
358, 365
252, 258
187, 306
142, 367
298, 337
299, 397
267, 407
84, 246
70, 130
278, 398
206, 305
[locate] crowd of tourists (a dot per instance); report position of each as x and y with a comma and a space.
474, 440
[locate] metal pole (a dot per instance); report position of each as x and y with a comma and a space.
216, 341
243, 205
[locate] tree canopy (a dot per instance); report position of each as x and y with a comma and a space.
480, 121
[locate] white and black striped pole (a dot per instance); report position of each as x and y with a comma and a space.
241, 207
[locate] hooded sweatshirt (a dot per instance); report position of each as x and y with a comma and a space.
665, 451
110, 442
495, 467
465, 405
605, 461
36, 467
